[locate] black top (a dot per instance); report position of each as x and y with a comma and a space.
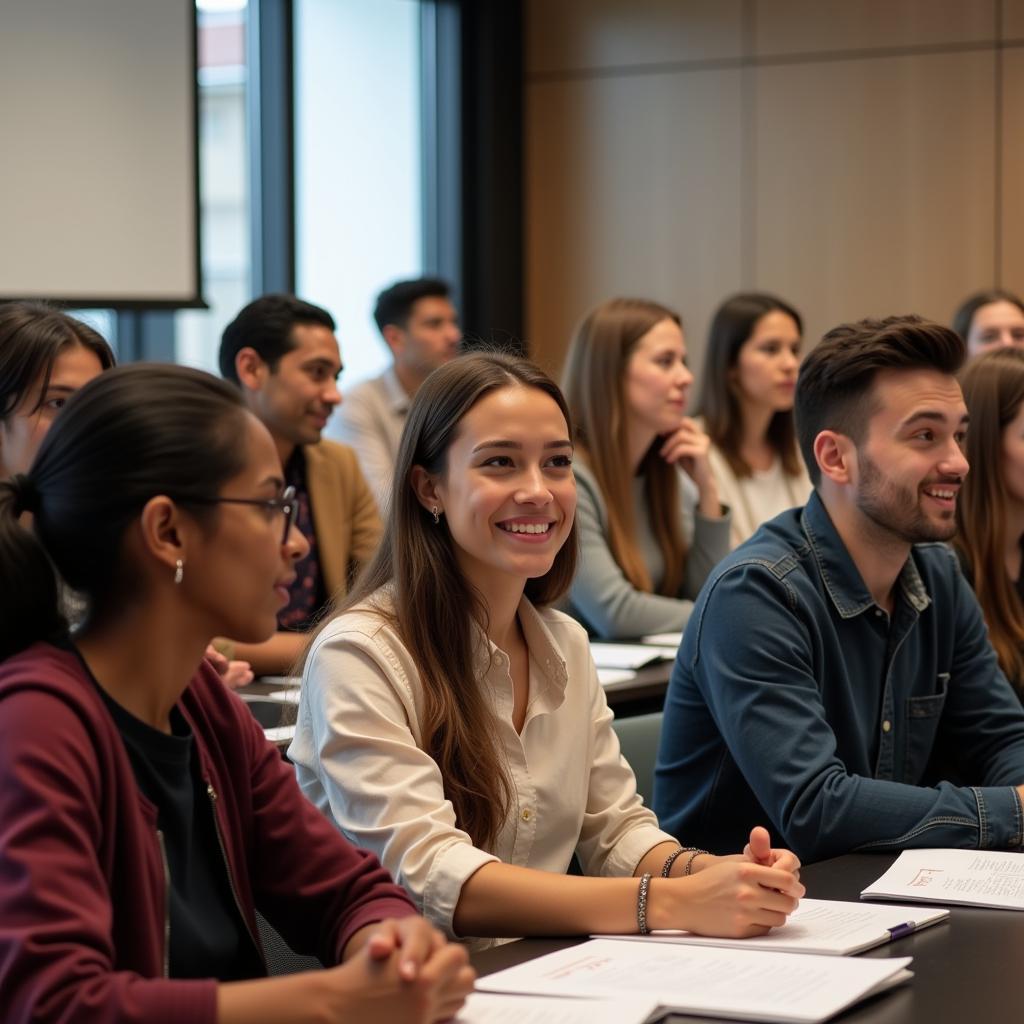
208, 936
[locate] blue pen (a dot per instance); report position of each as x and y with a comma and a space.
901, 930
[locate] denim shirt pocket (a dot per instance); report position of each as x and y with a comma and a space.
923, 716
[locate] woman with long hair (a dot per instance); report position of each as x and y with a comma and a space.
651, 523
750, 370
45, 357
990, 320
452, 722
990, 508
144, 816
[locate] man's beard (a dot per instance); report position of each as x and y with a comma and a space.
896, 509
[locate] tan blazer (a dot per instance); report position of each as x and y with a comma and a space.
345, 518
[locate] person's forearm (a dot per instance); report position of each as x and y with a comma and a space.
502, 900
296, 998
274, 657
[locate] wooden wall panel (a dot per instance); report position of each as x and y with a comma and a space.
811, 26
1013, 19
567, 35
1012, 174
632, 187
873, 184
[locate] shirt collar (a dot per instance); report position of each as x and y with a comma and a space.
542, 647
840, 575
396, 394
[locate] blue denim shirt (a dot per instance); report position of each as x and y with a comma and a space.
797, 703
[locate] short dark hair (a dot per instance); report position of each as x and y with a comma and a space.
964, 315
265, 325
32, 335
394, 304
837, 375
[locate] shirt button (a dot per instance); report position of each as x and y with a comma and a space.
526, 815
886, 725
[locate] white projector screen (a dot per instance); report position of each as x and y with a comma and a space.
99, 173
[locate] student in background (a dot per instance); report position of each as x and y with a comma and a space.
144, 814
650, 518
990, 511
45, 357
451, 721
836, 676
990, 319
420, 326
750, 369
283, 354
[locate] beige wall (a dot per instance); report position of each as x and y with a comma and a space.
858, 158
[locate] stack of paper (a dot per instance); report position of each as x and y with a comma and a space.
788, 988
489, 1008
969, 877
824, 927
663, 639
631, 656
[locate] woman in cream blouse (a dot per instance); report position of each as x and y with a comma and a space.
750, 371
453, 722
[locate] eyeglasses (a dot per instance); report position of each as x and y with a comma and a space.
284, 503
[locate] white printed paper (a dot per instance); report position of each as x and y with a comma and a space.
492, 1008
663, 639
975, 878
789, 988
632, 656
825, 927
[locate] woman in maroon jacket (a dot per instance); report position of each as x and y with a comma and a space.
143, 817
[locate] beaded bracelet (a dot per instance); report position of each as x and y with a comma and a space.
671, 859
641, 904
694, 854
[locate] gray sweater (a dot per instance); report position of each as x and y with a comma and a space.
603, 599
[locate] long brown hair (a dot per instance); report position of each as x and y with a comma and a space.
993, 386
435, 610
732, 326
594, 383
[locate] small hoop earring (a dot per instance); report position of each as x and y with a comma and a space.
179, 571
436, 513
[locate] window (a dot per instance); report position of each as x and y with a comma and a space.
358, 163
224, 182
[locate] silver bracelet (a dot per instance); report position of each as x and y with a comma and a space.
694, 854
641, 904
671, 859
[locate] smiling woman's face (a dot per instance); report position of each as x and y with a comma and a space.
22, 432
507, 491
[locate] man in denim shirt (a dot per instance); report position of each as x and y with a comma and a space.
836, 679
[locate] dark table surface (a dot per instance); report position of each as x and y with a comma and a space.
970, 968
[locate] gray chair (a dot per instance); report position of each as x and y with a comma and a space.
638, 737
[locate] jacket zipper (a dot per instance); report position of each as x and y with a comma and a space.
212, 794
167, 904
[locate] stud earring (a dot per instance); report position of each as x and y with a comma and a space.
179, 571
436, 513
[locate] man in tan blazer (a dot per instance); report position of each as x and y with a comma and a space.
283, 354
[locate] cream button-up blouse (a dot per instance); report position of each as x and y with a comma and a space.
358, 755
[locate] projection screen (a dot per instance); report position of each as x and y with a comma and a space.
99, 174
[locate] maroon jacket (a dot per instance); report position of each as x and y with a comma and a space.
82, 882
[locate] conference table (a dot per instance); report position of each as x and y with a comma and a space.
964, 969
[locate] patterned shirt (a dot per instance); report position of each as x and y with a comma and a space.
307, 594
